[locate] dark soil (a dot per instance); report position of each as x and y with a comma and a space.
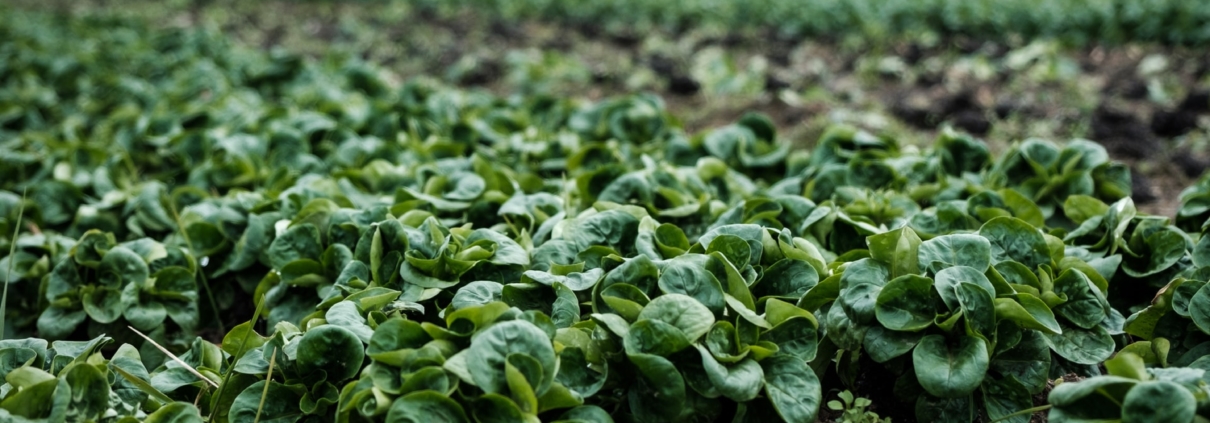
1123, 134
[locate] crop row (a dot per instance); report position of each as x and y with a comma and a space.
418, 253
1075, 21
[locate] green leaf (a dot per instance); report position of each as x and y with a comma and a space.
687, 275
177, 412
682, 312
280, 404
89, 390
425, 407
490, 348
884, 344
1028, 311
1085, 307
955, 250
654, 337
1013, 239
1199, 308
298, 242
978, 309
121, 266
1028, 362
740, 381
576, 374
1159, 401
949, 280
796, 336
787, 278
950, 371
1004, 397
859, 288
898, 248
907, 303
1081, 346
932, 409
1097, 398
792, 387
346, 315
332, 349
658, 394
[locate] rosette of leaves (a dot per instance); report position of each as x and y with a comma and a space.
1175, 327
845, 156
1134, 391
637, 119
1194, 213
675, 194
693, 340
438, 257
750, 145
1048, 175
142, 282
973, 316
72, 380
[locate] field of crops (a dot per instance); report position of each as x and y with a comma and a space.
197, 230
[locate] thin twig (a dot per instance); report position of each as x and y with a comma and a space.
175, 358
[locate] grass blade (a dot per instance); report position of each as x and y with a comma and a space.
12, 249
268, 380
243, 346
142, 385
175, 358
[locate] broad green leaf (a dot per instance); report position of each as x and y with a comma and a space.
425, 407
687, 275
907, 303
280, 404
955, 250
1085, 307
177, 412
859, 288
1159, 401
792, 388
491, 347
796, 336
682, 312
884, 344
659, 391
1028, 311
654, 337
950, 370
948, 281
1081, 346
898, 248
1013, 239
1004, 397
332, 349
740, 381
1199, 308
1028, 362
